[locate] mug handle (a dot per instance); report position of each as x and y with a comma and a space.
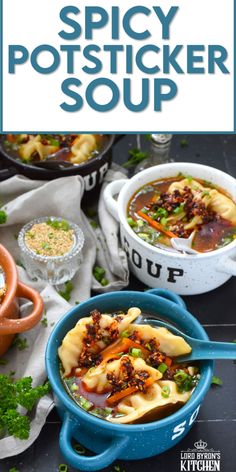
13, 326
227, 265
173, 297
93, 463
112, 189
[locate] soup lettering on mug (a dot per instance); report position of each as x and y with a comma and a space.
153, 269
96, 177
180, 428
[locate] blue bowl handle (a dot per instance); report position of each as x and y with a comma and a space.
173, 297
93, 463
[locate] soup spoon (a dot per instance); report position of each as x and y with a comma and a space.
55, 160
201, 350
184, 244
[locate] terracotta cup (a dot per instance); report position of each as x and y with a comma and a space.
10, 323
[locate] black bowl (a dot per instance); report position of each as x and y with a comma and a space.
92, 171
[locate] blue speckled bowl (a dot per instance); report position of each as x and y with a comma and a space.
113, 441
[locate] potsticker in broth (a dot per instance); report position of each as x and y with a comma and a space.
125, 372
178, 206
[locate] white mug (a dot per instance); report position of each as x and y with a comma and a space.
182, 273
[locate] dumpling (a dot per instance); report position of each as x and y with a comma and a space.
96, 378
83, 147
170, 344
72, 344
222, 205
192, 184
34, 145
137, 405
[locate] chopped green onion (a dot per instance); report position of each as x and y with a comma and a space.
207, 183
79, 449
21, 343
54, 142
180, 376
44, 321
165, 391
66, 294
125, 334
140, 223
3, 217
184, 143
63, 468
98, 273
144, 236
131, 222
179, 209
162, 368
45, 246
162, 212
135, 352
216, 380
94, 224
56, 224
163, 221
189, 178
144, 210
107, 411
117, 468
86, 404
74, 387
101, 412
104, 282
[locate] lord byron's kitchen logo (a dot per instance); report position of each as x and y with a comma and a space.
200, 459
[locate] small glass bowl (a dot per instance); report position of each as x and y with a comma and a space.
52, 269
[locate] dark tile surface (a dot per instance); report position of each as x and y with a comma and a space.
216, 423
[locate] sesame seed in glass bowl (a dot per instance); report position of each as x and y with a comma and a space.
51, 249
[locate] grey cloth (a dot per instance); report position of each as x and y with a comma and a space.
23, 200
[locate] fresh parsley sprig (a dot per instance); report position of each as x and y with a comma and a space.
12, 395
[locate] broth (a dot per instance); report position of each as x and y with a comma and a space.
212, 231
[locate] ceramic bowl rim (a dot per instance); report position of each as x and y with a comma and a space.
70, 405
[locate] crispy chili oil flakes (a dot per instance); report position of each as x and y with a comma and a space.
89, 356
128, 377
192, 207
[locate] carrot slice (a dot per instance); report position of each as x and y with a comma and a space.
122, 345
168, 361
156, 225
11, 138
127, 391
